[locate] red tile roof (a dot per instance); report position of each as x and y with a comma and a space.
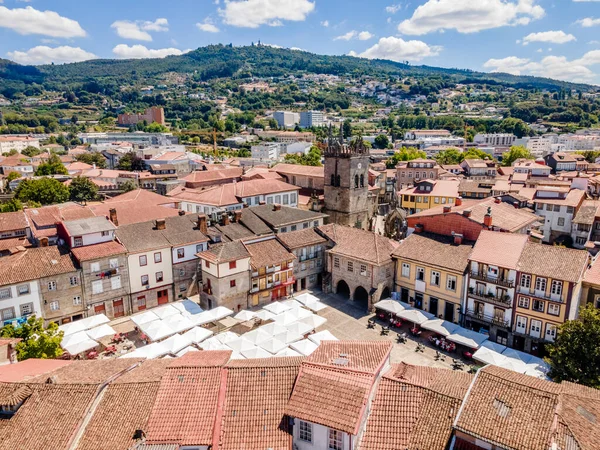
267, 253
97, 251
11, 221
30, 368
136, 206
35, 263
499, 249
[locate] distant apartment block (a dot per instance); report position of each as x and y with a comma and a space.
495, 139
286, 119
311, 119
18, 143
151, 115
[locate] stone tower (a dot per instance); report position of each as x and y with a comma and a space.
347, 181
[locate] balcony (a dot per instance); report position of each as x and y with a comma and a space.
500, 282
541, 295
540, 338
504, 302
488, 319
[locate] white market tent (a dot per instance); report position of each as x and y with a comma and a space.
220, 312
165, 311
145, 317
316, 306
489, 356
150, 351
176, 343
256, 352
468, 338
245, 315
157, 330
277, 307
389, 305
313, 321
213, 343
225, 337
101, 331
273, 328
79, 343
289, 336
300, 328
289, 317
494, 346
439, 326
517, 355
179, 323
83, 324
513, 364
187, 350
304, 347
198, 334
264, 315
287, 352
273, 345
306, 297
258, 336
292, 303
187, 306
324, 335
415, 316
240, 344
236, 355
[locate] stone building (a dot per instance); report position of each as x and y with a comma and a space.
308, 246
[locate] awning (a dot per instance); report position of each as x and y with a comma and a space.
415, 316
488, 356
83, 324
100, 332
389, 305
176, 343
324, 335
439, 326
157, 330
468, 338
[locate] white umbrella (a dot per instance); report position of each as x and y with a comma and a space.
316, 306
517, 355
220, 312
314, 321
415, 316
187, 306
304, 347
101, 331
94, 321
306, 297
179, 323
273, 328
277, 307
212, 343
245, 315
494, 346
236, 355
202, 318
515, 365
176, 343
287, 352
79, 346
389, 305
73, 338
145, 317
165, 311
468, 338
300, 328
225, 337
73, 327
293, 303
264, 315
289, 336
257, 336
198, 334
321, 336
291, 316
440, 326
187, 350
157, 330
240, 344
488, 356
273, 345
156, 350
256, 352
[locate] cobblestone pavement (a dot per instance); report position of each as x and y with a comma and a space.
347, 321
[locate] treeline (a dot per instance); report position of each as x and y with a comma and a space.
456, 124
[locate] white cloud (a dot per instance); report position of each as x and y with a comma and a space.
325, 23
556, 67
208, 26
46, 55
254, 13
393, 9
360, 35
365, 36
345, 37
140, 51
397, 49
588, 22
468, 16
139, 30
556, 37
31, 21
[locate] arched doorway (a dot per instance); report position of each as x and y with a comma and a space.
343, 289
385, 293
361, 297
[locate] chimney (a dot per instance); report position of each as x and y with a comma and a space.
487, 220
447, 209
262, 203
498, 200
181, 213
419, 228
113, 216
161, 224
276, 207
237, 216
225, 218
43, 242
202, 224
457, 238
516, 205
467, 213
458, 201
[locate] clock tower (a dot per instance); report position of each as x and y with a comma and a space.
347, 181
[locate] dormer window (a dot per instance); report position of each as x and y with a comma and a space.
10, 404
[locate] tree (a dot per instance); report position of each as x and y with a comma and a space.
575, 354
42, 190
53, 166
450, 156
12, 176
30, 151
131, 162
590, 155
382, 141
347, 129
129, 185
11, 152
515, 152
82, 189
36, 341
92, 158
475, 153
11, 206
312, 158
405, 154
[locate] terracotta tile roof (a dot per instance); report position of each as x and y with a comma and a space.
592, 274
225, 252
11, 244
499, 249
87, 372
440, 188
136, 206
297, 169
147, 371
267, 253
435, 250
253, 188
553, 262
361, 356
301, 238
253, 412
11, 221
587, 212
360, 244
30, 368
574, 198
285, 215
212, 358
43, 220
222, 195
207, 176
35, 263
98, 251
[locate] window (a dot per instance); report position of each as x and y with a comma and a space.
556, 208
524, 302
350, 266
443, 200
540, 284
316, 223
521, 324
145, 280
305, 431
51, 285
115, 282
182, 287
556, 288
73, 281
451, 283
335, 440
95, 267
526, 281
113, 263
580, 240
420, 274
158, 257
553, 309
550, 332
570, 210
293, 228
206, 264
232, 283
561, 221
141, 302
159, 277
305, 225
97, 287
199, 248
435, 278
23, 289
355, 181
77, 300
180, 253
535, 327
363, 270
8, 313
436, 199
77, 241
26, 309
5, 293
105, 233
406, 270
182, 272
336, 263
362, 180
286, 199
538, 305
143, 260
283, 229
54, 306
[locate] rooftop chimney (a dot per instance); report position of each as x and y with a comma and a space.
276, 207
516, 205
43, 242
458, 201
447, 209
467, 213
419, 228
161, 224
457, 238
225, 218
498, 200
113, 216
487, 220
202, 226
237, 216
181, 213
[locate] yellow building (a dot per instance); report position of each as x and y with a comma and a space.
428, 194
430, 273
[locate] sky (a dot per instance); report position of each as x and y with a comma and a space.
552, 38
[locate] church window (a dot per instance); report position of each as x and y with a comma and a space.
362, 181
355, 181
332, 180
338, 181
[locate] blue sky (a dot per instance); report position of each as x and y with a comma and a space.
554, 38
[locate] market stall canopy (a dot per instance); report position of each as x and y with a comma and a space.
389, 305
176, 343
145, 317
277, 307
258, 336
83, 324
287, 352
300, 328
187, 306
101, 331
415, 316
441, 327
228, 322
225, 337
256, 352
324, 335
264, 315
304, 347
488, 356
289, 336
187, 350
240, 344
245, 315
157, 330
165, 311
198, 334
315, 306
468, 338
213, 343
78, 343
313, 321
273, 328
306, 298
273, 345
179, 323
292, 303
